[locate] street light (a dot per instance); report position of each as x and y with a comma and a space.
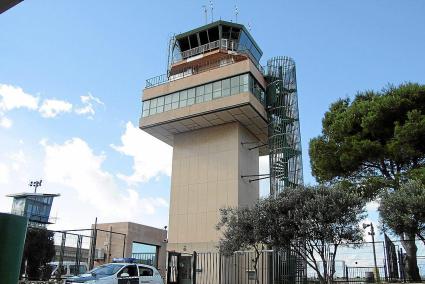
372, 233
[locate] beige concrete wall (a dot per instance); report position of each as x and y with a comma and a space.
207, 168
234, 69
134, 233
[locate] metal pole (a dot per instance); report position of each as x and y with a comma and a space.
93, 245
110, 244
372, 233
123, 249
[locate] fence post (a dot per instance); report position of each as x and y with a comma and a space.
194, 267
346, 273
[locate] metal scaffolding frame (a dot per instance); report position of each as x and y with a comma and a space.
284, 139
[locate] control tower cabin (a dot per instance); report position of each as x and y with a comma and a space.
211, 108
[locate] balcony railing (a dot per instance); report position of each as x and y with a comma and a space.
223, 44
204, 66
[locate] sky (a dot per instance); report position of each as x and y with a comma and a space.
72, 74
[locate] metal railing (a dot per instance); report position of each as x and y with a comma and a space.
206, 66
204, 48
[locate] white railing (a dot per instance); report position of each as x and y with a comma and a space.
223, 44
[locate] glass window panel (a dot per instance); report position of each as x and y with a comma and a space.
175, 97
225, 92
191, 93
183, 95
234, 90
217, 86
175, 105
153, 103
199, 99
225, 84
208, 88
183, 103
167, 107
159, 109
160, 101
234, 82
200, 91
244, 88
167, 99
217, 89
190, 101
244, 79
152, 111
207, 97
146, 104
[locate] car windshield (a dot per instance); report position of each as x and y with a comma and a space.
106, 269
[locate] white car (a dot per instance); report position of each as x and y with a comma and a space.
67, 269
119, 273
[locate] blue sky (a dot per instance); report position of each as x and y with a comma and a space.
74, 72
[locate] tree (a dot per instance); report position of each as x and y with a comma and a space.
374, 142
304, 220
403, 211
38, 251
244, 229
323, 218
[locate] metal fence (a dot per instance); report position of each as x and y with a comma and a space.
146, 258
353, 264
77, 251
212, 268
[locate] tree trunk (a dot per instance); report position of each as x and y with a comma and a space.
411, 264
257, 256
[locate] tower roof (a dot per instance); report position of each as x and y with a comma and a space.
32, 194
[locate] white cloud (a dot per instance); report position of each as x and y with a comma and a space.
5, 122
88, 105
52, 107
4, 173
151, 157
74, 165
18, 160
12, 97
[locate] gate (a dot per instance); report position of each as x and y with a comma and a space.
180, 268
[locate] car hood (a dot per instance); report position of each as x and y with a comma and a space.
85, 277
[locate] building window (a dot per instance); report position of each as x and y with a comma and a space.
204, 93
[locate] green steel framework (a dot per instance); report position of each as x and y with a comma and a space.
284, 139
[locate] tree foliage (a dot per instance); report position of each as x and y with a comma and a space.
403, 211
38, 251
315, 217
374, 141
244, 229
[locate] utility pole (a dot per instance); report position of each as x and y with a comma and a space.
372, 233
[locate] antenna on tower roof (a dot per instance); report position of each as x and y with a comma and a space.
249, 27
206, 13
212, 11
236, 13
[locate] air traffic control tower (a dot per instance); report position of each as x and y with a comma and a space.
220, 110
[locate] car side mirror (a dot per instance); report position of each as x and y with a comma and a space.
125, 275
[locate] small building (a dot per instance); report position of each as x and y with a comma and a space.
35, 206
127, 239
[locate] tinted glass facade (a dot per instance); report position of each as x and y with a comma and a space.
204, 93
36, 208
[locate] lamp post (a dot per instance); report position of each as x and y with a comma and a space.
372, 233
